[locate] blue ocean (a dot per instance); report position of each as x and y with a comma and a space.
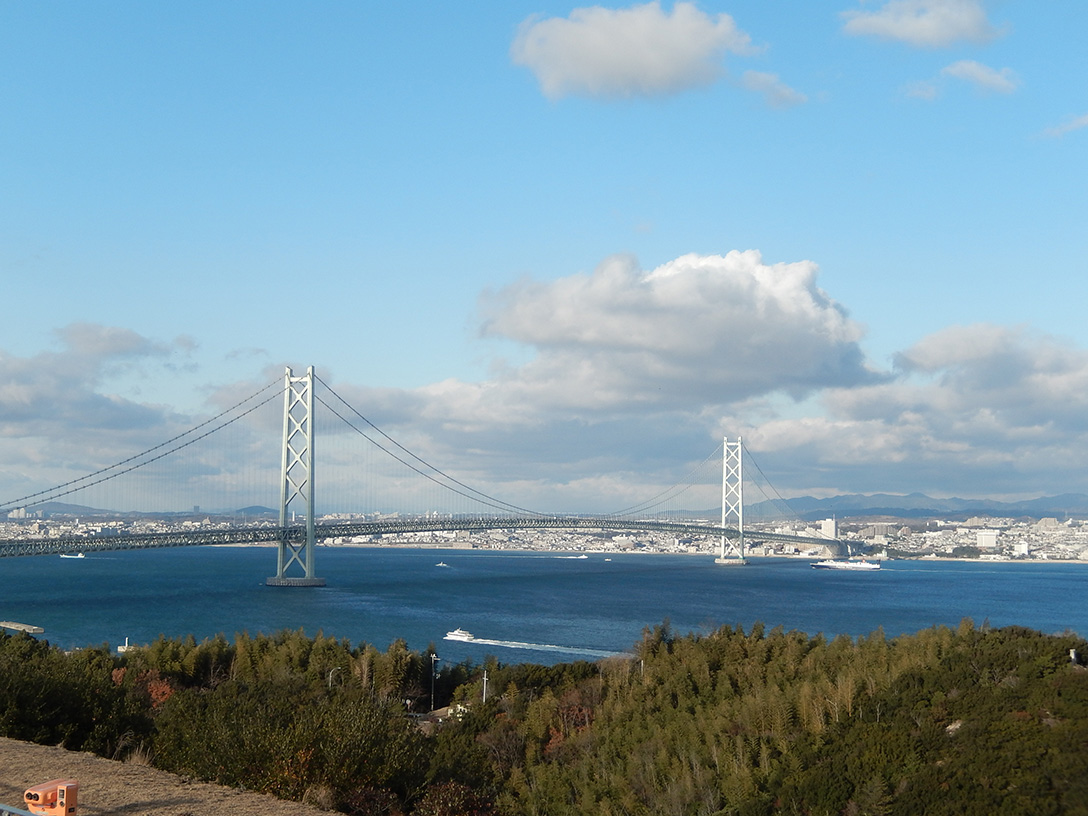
521, 606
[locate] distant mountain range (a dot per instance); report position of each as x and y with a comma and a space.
54, 508
917, 505
808, 508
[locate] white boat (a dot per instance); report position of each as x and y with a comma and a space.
846, 565
460, 634
72, 555
441, 564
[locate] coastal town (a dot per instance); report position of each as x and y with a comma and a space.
981, 537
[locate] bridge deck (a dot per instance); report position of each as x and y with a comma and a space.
269, 534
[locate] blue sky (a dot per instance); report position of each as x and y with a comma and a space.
604, 236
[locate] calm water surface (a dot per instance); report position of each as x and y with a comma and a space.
534, 607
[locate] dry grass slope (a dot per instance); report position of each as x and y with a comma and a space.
108, 788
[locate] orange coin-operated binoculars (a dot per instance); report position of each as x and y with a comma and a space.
57, 797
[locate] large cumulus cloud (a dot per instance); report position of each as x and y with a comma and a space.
631, 371
695, 331
640, 372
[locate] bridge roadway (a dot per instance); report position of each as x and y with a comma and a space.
270, 534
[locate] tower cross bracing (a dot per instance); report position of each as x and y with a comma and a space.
732, 501
297, 483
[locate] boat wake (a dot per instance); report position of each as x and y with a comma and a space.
538, 647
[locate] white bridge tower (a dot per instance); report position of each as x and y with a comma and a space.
732, 554
297, 484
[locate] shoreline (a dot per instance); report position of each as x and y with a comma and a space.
450, 547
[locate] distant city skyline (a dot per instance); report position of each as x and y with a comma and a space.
561, 250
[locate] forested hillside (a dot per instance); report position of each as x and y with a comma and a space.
945, 721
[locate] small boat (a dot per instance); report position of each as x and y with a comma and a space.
72, 555
846, 565
459, 634
441, 564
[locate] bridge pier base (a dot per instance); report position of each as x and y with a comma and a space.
731, 562
295, 582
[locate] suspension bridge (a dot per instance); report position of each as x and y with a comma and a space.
388, 474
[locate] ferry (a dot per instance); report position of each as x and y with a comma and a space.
460, 634
846, 565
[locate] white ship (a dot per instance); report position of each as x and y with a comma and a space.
72, 555
846, 565
459, 634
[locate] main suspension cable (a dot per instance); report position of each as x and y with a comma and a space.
75, 485
791, 513
668, 493
472, 493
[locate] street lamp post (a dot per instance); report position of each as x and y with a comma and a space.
332, 672
434, 659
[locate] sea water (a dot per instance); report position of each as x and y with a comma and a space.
522, 606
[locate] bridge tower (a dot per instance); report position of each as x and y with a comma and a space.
732, 502
297, 483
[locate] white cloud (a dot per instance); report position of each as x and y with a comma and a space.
776, 92
633, 373
62, 389
983, 76
926, 23
617, 53
696, 330
922, 90
637, 375
641, 373
59, 418
1075, 123
976, 410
